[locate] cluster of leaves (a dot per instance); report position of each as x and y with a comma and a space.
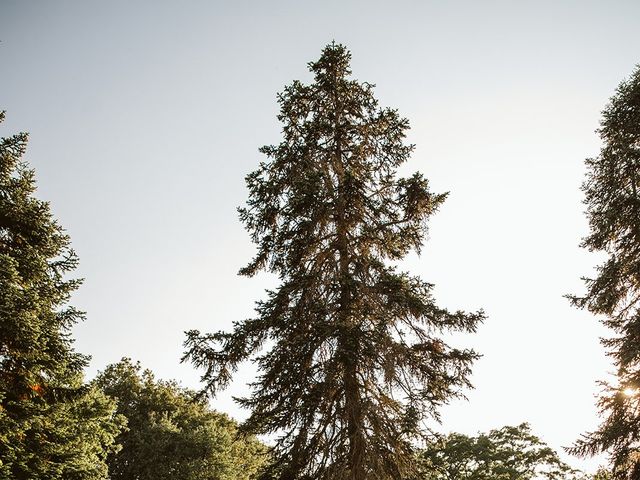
51, 425
507, 453
172, 434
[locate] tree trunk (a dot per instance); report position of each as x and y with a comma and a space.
348, 342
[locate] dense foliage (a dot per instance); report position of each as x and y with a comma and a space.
51, 426
613, 209
171, 435
354, 361
508, 453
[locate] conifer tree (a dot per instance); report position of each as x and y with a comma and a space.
613, 210
353, 362
51, 426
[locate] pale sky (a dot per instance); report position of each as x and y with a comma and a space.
145, 117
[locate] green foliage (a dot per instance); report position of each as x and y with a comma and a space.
61, 440
613, 210
173, 435
354, 362
51, 426
510, 453
602, 474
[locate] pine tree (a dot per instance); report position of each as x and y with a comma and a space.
353, 362
613, 210
51, 426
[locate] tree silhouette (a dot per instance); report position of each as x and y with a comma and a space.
353, 359
613, 210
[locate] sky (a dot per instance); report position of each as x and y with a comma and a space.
144, 118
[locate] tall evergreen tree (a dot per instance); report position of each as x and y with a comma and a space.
613, 209
353, 362
51, 426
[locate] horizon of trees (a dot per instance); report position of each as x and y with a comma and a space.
357, 368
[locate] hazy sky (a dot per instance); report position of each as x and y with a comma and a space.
146, 116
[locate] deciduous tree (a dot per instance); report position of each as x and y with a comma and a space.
171, 435
508, 453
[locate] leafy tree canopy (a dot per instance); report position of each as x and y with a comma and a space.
172, 435
509, 453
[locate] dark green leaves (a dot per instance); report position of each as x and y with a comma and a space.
171, 434
508, 453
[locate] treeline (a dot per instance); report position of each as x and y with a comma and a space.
357, 366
